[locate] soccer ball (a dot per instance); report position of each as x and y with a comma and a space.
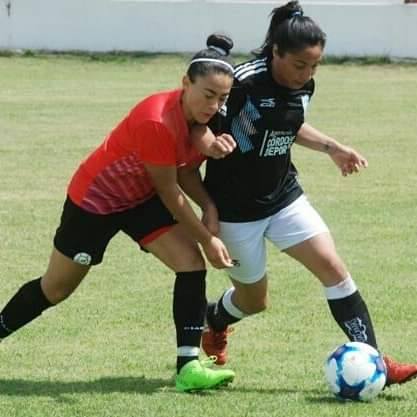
355, 371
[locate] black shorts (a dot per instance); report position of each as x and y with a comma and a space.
84, 236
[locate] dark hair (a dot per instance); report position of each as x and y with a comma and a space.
291, 31
218, 48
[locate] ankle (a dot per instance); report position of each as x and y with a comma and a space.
183, 360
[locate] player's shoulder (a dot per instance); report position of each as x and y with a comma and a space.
248, 71
156, 105
160, 100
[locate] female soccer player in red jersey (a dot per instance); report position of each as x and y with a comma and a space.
257, 193
130, 183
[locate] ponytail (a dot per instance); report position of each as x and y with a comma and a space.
291, 31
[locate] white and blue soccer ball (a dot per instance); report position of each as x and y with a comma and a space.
355, 371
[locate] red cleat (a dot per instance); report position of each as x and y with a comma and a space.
399, 373
215, 344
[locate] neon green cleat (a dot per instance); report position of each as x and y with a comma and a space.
196, 376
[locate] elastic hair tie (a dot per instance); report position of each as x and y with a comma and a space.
296, 13
217, 49
214, 60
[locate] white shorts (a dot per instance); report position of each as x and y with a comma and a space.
246, 241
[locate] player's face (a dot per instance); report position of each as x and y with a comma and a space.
204, 97
293, 70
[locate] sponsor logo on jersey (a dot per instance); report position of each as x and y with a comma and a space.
267, 102
276, 143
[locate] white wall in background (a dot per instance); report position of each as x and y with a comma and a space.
368, 27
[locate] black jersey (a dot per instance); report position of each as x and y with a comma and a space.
257, 179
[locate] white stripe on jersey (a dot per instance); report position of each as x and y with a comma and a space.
246, 67
253, 67
240, 71
248, 73
247, 64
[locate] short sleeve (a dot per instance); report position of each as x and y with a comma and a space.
155, 144
197, 159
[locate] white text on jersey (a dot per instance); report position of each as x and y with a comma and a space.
276, 143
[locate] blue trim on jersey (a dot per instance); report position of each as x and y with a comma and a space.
243, 127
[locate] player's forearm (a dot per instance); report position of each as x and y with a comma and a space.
312, 138
177, 204
202, 139
165, 181
192, 184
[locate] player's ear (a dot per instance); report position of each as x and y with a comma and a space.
186, 82
275, 50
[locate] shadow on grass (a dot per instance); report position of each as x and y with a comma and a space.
60, 391
326, 399
313, 395
275, 391
107, 385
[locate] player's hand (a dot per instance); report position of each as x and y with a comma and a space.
217, 254
348, 160
222, 146
208, 144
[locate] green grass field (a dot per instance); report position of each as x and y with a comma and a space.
109, 350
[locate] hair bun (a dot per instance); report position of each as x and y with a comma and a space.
220, 43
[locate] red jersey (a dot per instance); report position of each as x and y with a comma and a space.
113, 177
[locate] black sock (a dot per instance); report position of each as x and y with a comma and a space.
27, 304
218, 318
189, 307
353, 318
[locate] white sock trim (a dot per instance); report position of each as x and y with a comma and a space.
342, 290
188, 351
230, 307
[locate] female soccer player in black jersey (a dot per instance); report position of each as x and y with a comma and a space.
257, 193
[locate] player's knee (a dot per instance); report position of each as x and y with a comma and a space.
334, 266
194, 261
197, 261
